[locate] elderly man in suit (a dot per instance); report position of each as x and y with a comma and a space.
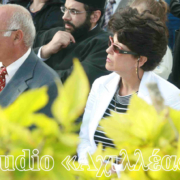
21, 70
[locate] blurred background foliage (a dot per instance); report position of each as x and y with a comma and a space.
142, 127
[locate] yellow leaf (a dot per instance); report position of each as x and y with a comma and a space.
175, 116
27, 103
140, 126
71, 102
117, 128
48, 126
70, 139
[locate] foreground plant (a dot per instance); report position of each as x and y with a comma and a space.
52, 138
46, 151
147, 138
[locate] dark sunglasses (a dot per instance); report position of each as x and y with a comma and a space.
117, 50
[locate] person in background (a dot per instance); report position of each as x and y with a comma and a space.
175, 75
23, 3
175, 8
22, 70
160, 9
133, 54
111, 7
81, 37
46, 14
173, 24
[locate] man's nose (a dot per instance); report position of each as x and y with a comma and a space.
67, 15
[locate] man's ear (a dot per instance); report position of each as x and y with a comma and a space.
95, 16
142, 60
17, 36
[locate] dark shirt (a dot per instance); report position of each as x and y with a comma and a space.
90, 49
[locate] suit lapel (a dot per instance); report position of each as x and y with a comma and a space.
18, 84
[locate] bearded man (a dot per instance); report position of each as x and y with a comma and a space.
81, 37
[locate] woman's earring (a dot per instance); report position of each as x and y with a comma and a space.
137, 69
137, 66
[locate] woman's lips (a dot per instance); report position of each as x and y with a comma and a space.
108, 60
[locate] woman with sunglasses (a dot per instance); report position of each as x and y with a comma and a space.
136, 48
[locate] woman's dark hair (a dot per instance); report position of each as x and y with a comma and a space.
142, 33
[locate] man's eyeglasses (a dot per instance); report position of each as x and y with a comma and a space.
8, 30
71, 11
117, 50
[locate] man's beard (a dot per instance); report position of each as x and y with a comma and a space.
80, 30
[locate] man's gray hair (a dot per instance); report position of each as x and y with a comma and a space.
22, 19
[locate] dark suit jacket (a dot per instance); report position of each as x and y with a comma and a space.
32, 74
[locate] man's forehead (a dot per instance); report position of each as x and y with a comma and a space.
74, 4
4, 14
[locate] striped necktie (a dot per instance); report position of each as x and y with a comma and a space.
3, 72
108, 12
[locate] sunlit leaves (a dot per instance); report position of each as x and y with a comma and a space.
54, 137
143, 128
26, 104
71, 102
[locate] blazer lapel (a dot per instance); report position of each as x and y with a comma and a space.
18, 84
106, 93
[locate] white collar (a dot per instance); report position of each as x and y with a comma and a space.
12, 68
94, 27
114, 78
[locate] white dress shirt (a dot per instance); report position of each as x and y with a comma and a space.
12, 68
165, 67
39, 55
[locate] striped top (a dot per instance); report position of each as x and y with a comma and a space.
120, 103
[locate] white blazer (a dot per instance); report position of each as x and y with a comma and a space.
101, 94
